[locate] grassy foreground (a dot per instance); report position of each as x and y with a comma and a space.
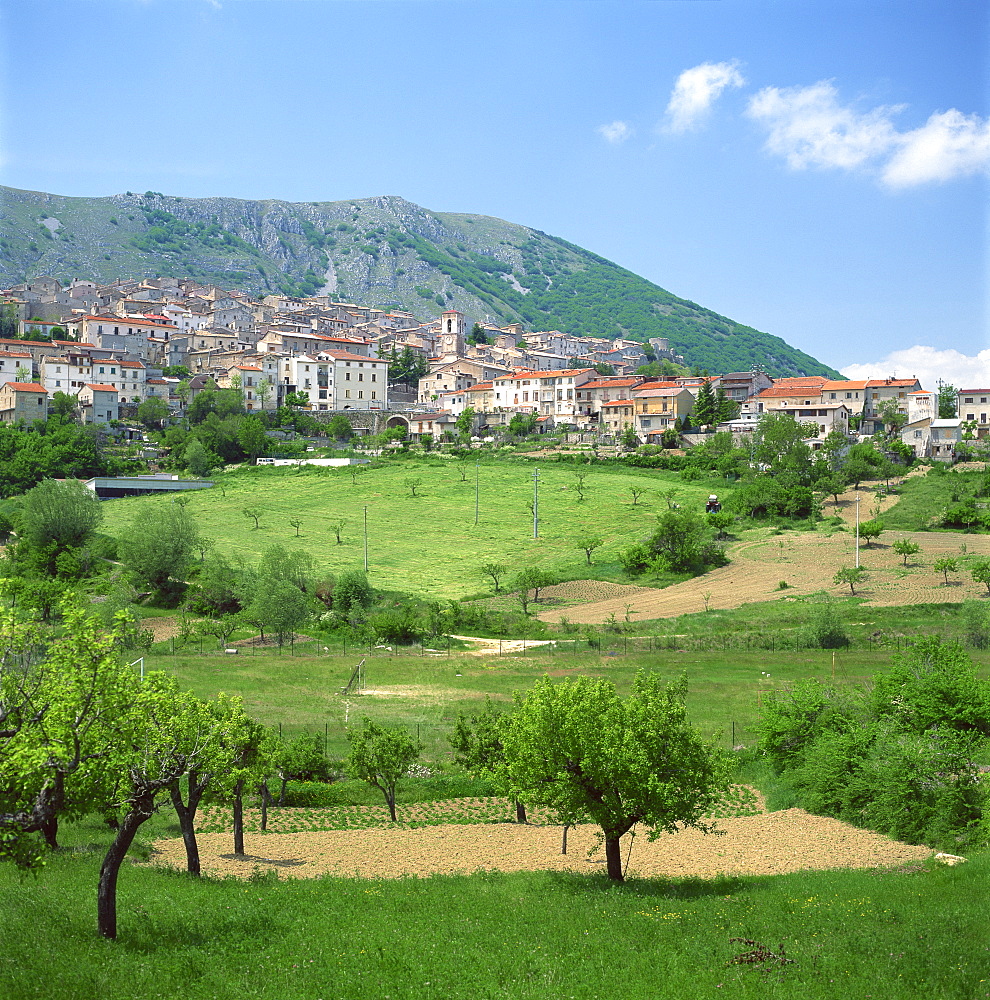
917, 932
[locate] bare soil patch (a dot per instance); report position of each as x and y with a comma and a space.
770, 843
806, 561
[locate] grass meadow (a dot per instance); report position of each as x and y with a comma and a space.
917, 932
429, 544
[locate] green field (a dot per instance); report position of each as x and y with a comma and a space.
429, 545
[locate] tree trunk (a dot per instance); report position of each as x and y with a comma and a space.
563, 840
265, 798
520, 811
281, 791
50, 830
239, 818
187, 816
106, 893
613, 858
390, 799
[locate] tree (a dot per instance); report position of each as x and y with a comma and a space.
159, 544
580, 478
477, 335
164, 743
580, 749
382, 756
264, 391
152, 412
705, 405
477, 745
55, 517
891, 417
255, 513
62, 405
337, 526
522, 424
340, 428
778, 443
494, 570
278, 605
297, 399
981, 572
948, 397
945, 566
535, 579
637, 492
725, 408
198, 459
465, 422
681, 543
588, 543
252, 438
721, 521
59, 725
869, 530
905, 547
296, 523
222, 722
412, 483
851, 575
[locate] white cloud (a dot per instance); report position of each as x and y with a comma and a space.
696, 90
928, 365
950, 144
808, 127
615, 132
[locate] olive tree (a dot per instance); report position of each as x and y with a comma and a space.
588, 754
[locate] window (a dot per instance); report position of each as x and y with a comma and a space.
347, 394
373, 396
360, 395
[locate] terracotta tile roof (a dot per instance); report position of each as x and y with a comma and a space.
790, 392
880, 382
27, 387
480, 386
101, 387
130, 364
618, 382
347, 356
127, 321
963, 392
799, 381
14, 354
619, 402
842, 384
654, 393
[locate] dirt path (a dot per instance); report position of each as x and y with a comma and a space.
497, 647
770, 843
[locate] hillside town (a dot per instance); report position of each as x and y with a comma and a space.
114, 346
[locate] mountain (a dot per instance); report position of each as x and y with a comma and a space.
376, 251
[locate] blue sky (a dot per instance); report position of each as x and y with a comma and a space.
817, 170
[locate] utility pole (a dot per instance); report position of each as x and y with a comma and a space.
857, 531
536, 503
366, 538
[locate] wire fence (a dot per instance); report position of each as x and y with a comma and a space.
603, 643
